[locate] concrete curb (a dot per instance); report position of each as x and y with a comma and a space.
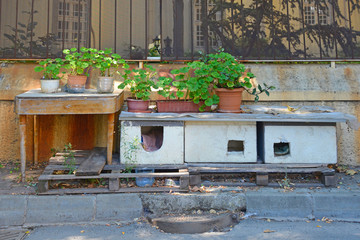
18, 210
25, 210
344, 206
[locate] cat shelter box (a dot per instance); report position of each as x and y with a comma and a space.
299, 142
151, 142
213, 141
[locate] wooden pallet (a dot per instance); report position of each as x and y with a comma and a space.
91, 165
262, 171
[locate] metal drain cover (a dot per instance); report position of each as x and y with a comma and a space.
12, 235
195, 223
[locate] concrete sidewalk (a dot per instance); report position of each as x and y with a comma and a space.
32, 210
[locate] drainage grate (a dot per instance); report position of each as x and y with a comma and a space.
12, 235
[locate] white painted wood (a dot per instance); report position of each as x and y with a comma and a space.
171, 151
208, 141
308, 144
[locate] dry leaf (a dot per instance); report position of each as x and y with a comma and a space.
123, 233
268, 220
108, 225
351, 172
268, 231
307, 221
318, 226
82, 231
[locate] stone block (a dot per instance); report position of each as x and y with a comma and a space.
279, 204
60, 209
337, 205
12, 210
121, 207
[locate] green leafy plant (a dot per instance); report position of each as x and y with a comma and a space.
187, 87
50, 68
69, 161
129, 151
140, 82
105, 61
154, 52
79, 62
222, 70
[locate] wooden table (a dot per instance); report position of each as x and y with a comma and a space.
35, 103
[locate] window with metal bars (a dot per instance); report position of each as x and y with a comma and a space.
249, 29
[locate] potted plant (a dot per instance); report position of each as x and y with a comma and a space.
154, 52
191, 91
107, 62
51, 69
229, 79
140, 82
79, 64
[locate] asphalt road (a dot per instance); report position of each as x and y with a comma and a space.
246, 229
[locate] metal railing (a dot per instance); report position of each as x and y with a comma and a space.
252, 30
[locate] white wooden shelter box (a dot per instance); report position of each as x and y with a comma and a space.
152, 142
220, 142
300, 143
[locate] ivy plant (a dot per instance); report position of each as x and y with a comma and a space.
140, 82
50, 68
107, 62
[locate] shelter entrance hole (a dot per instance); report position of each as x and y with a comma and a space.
152, 137
235, 146
281, 149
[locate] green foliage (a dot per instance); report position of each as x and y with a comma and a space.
140, 82
79, 62
222, 70
50, 68
195, 88
154, 52
69, 162
105, 60
129, 151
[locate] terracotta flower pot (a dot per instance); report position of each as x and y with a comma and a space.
76, 83
176, 106
230, 100
136, 105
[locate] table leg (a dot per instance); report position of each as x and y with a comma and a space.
36, 139
110, 139
22, 128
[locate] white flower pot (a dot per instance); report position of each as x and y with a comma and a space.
49, 85
105, 85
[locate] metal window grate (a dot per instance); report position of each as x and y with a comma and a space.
249, 29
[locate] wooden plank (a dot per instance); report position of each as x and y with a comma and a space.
111, 175
22, 123
93, 165
59, 160
77, 153
36, 139
209, 170
154, 166
267, 165
105, 190
110, 137
67, 105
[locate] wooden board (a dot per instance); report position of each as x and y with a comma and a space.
111, 175
35, 102
93, 165
214, 170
